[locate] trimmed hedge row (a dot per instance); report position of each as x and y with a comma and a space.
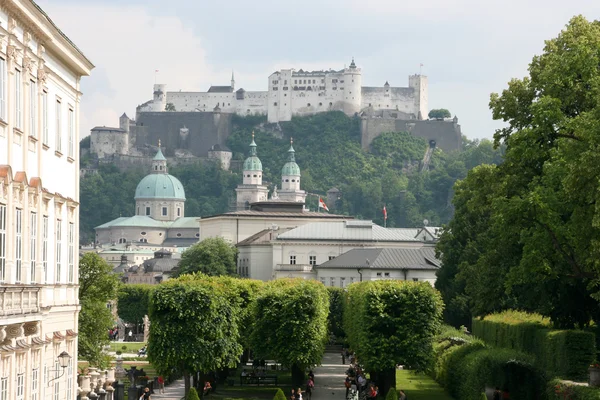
563, 353
558, 390
466, 366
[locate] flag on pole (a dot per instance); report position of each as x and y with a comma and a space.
155, 70
323, 205
384, 213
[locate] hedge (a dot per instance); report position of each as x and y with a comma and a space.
562, 353
557, 390
466, 366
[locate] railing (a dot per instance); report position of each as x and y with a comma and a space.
17, 300
294, 267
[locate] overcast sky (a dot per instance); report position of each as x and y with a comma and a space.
469, 48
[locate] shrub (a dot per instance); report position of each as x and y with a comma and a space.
563, 353
192, 395
559, 390
279, 395
391, 394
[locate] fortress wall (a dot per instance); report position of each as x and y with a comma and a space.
105, 143
401, 99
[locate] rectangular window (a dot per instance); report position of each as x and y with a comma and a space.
70, 379
3, 89
415, 279
147, 210
331, 257
293, 260
34, 384
71, 128
164, 211
58, 251
312, 260
2, 242
33, 244
57, 371
45, 248
18, 100
323, 281
351, 279
342, 282
58, 144
379, 274
387, 274
178, 212
19, 244
332, 281
45, 117
4, 389
20, 386
33, 109
71, 266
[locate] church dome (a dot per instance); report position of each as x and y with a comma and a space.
160, 186
252, 163
291, 168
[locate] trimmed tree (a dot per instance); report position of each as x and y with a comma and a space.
194, 327
439, 113
392, 394
192, 395
133, 302
212, 256
392, 322
336, 310
279, 395
290, 324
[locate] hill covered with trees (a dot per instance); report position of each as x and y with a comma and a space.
329, 154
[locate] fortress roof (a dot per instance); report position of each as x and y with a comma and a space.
220, 89
106, 129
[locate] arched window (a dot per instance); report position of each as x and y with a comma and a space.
122, 240
197, 235
143, 233
143, 240
287, 180
178, 235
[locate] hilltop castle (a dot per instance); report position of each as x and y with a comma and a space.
297, 93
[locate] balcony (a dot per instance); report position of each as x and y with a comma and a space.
294, 268
19, 300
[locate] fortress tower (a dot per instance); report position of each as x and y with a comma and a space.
420, 85
352, 89
159, 101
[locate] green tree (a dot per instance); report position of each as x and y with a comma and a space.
336, 310
97, 285
279, 395
194, 327
192, 395
212, 256
133, 302
390, 323
391, 394
290, 324
170, 107
439, 113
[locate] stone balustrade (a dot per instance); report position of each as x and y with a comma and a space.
18, 300
294, 267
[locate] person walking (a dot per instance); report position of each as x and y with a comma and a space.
145, 394
348, 384
161, 384
310, 385
343, 357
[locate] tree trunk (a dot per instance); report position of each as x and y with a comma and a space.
195, 380
385, 379
297, 376
186, 379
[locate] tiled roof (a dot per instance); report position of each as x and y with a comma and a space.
220, 89
141, 221
279, 214
352, 230
388, 258
185, 222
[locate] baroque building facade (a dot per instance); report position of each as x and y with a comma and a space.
40, 73
293, 92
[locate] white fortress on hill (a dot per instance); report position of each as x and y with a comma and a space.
298, 93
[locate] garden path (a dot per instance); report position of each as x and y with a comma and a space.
329, 378
175, 391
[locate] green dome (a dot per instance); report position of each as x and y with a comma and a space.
160, 186
252, 163
290, 168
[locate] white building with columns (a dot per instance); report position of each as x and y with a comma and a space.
293, 92
40, 73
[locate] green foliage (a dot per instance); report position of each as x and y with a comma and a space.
466, 368
194, 326
133, 302
399, 148
290, 322
170, 107
212, 256
392, 322
559, 390
192, 395
563, 353
85, 143
97, 285
279, 395
336, 310
391, 394
439, 113
526, 234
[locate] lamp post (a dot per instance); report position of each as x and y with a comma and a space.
63, 362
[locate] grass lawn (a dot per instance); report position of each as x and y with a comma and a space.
420, 386
131, 347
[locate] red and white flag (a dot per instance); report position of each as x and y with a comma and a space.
384, 213
323, 205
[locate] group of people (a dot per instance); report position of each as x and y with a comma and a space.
356, 376
113, 333
310, 386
